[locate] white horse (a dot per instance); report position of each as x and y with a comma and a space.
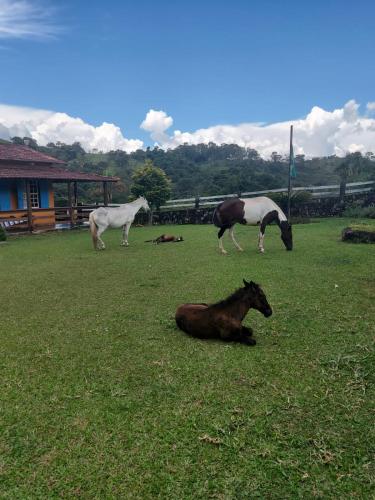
251, 211
121, 216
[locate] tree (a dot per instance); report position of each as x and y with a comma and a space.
152, 183
25, 141
348, 168
276, 157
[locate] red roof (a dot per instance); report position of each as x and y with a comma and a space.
22, 162
9, 171
16, 152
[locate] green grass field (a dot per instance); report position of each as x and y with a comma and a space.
102, 397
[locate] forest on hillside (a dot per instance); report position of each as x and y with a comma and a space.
204, 169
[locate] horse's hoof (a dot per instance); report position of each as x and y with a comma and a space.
240, 249
223, 252
261, 250
250, 341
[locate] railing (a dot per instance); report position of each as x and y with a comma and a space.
56, 217
332, 190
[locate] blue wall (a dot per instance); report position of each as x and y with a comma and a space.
20, 190
44, 194
5, 195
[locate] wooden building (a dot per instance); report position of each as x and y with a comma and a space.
27, 179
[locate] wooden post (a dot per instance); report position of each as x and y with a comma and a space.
29, 207
70, 204
105, 191
75, 193
290, 170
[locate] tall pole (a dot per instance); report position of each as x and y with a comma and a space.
290, 170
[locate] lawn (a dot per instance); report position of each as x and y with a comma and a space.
102, 396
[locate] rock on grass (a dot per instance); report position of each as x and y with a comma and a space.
360, 233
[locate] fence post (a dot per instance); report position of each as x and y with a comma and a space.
29, 207
70, 202
105, 193
342, 191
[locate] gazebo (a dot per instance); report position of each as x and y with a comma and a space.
26, 189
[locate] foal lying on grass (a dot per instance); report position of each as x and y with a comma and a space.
223, 319
166, 238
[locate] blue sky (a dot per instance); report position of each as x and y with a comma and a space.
204, 63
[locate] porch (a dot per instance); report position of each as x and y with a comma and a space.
40, 212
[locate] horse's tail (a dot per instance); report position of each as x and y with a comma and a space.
93, 229
216, 219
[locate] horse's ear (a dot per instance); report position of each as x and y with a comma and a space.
246, 283
254, 285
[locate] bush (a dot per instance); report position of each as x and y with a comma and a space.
359, 212
297, 198
280, 199
3, 234
300, 197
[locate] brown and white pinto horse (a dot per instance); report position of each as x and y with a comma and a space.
251, 211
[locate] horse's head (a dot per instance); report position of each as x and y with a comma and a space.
286, 234
144, 203
257, 298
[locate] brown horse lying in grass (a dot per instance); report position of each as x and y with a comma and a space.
223, 319
166, 238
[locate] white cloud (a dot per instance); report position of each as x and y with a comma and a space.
320, 133
26, 19
370, 106
157, 122
47, 126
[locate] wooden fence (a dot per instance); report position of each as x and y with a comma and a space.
317, 192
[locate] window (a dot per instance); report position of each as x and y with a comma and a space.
34, 195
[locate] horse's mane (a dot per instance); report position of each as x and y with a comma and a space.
234, 297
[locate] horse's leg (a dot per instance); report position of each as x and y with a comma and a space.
101, 230
222, 250
243, 335
267, 219
125, 242
232, 331
220, 236
231, 233
247, 332
262, 230
237, 334
260, 241
123, 236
